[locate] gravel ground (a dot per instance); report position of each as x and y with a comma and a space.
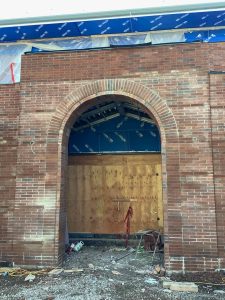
99, 276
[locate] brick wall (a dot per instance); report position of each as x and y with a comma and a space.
9, 120
217, 96
173, 83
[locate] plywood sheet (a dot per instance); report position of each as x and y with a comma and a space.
102, 187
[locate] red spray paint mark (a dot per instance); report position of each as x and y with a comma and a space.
127, 221
12, 72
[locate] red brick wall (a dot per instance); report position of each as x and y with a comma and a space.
173, 82
9, 117
217, 99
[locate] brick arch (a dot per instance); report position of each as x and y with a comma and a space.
147, 97
60, 124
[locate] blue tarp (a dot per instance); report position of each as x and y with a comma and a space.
209, 36
114, 26
130, 136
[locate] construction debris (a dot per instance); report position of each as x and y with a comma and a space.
142, 272
131, 250
93, 269
73, 271
159, 270
91, 266
184, 287
221, 292
55, 271
78, 246
151, 280
119, 249
74, 247
21, 272
179, 286
70, 248
116, 272
166, 283
6, 264
153, 240
30, 277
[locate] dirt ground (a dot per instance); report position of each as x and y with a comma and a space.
100, 273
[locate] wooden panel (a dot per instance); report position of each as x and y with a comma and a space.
101, 188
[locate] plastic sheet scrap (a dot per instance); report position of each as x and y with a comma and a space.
10, 62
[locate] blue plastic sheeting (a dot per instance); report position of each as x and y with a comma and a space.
210, 36
114, 26
180, 21
131, 136
30, 32
107, 26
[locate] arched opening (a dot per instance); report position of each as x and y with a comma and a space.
69, 110
114, 164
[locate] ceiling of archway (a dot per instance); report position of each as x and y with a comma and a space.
114, 126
